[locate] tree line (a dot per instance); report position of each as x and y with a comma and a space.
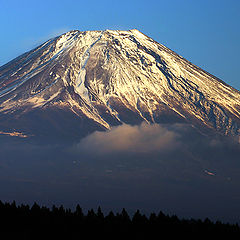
40, 222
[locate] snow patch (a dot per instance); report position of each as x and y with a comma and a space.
80, 83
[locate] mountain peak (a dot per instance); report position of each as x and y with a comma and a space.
99, 79
129, 32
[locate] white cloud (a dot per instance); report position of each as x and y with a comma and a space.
142, 138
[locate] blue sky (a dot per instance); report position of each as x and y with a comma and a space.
205, 32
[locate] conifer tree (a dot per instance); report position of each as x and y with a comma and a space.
100, 215
125, 217
79, 212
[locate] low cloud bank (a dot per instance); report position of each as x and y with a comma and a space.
151, 138
177, 145
125, 138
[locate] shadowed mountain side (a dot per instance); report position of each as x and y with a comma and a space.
167, 167
50, 124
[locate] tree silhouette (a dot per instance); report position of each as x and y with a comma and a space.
25, 222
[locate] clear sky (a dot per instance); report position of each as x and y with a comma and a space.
205, 32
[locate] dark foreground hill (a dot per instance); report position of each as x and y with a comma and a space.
35, 222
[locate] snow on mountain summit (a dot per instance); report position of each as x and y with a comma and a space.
99, 79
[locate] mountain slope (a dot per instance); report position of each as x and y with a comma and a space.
80, 82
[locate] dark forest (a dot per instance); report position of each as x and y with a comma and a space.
40, 222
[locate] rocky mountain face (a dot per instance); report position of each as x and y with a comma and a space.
80, 82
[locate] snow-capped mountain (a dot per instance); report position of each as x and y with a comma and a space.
84, 81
